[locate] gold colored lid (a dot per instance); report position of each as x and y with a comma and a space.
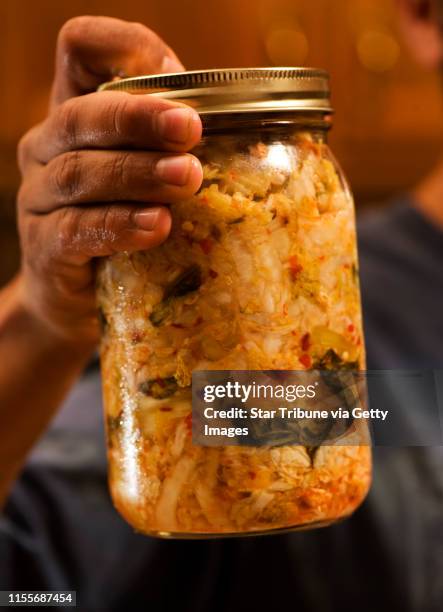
236, 90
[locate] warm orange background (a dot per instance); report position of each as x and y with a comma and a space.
389, 115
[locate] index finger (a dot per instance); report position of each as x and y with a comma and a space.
111, 120
92, 50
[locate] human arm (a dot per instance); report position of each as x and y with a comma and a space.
96, 174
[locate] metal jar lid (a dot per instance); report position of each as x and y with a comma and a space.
236, 90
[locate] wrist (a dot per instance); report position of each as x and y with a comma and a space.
39, 366
48, 337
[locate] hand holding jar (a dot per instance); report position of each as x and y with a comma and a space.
97, 171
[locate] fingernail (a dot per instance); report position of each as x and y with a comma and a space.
175, 169
176, 124
146, 219
170, 64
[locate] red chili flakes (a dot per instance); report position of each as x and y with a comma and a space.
165, 409
294, 267
188, 422
285, 309
199, 321
213, 273
306, 361
137, 336
206, 245
177, 325
351, 328
252, 475
306, 342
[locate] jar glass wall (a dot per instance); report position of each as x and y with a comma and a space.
260, 272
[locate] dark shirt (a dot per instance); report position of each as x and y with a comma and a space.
60, 531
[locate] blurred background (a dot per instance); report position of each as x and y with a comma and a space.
388, 123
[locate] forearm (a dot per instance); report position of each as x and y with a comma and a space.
37, 370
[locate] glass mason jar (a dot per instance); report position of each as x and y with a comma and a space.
259, 272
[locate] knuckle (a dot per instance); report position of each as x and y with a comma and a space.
143, 33
24, 149
66, 232
120, 169
33, 255
67, 123
110, 224
130, 116
23, 152
23, 196
73, 31
145, 38
65, 172
121, 115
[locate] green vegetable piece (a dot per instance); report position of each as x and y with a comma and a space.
312, 451
236, 221
160, 312
187, 282
159, 388
331, 361
338, 376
